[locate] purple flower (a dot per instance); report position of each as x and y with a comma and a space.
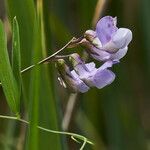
84, 76
107, 42
70, 79
90, 75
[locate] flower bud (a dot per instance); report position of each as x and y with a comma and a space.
70, 79
91, 36
78, 64
75, 59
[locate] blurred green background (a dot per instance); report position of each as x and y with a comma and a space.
116, 117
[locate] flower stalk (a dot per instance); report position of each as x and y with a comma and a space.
74, 136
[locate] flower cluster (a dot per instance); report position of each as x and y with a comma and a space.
107, 44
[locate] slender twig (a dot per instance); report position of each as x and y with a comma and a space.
28, 68
74, 135
49, 57
53, 55
55, 58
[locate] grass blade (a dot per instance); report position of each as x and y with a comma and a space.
48, 102
6, 75
16, 58
24, 11
33, 135
33, 131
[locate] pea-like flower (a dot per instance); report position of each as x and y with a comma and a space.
84, 76
69, 79
107, 42
90, 75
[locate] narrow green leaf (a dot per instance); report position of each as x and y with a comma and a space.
6, 75
16, 58
33, 134
24, 11
48, 106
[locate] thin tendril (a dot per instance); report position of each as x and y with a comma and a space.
73, 138
49, 57
28, 68
73, 135
53, 55
84, 143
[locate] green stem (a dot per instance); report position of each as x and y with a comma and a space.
51, 56
74, 135
28, 68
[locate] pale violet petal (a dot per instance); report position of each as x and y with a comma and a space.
74, 74
106, 65
80, 85
119, 54
103, 78
100, 78
70, 79
100, 55
78, 64
110, 47
96, 77
122, 38
95, 52
90, 66
105, 28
